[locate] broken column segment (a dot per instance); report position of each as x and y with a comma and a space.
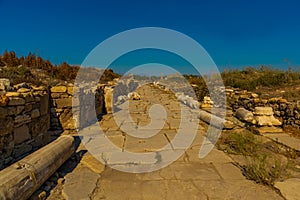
245, 115
22, 178
215, 120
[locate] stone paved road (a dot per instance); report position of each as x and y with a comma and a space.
214, 177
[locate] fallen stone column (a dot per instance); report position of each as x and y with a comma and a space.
215, 121
245, 115
24, 177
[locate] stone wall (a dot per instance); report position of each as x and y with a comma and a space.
287, 112
30, 116
24, 121
61, 112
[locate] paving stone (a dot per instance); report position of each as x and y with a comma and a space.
289, 188
80, 184
285, 139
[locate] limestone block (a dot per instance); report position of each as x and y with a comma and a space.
19, 109
70, 90
60, 88
6, 145
254, 95
21, 134
108, 95
3, 112
263, 111
56, 95
13, 94
298, 104
134, 96
66, 120
22, 119
28, 107
29, 97
23, 90
37, 99
267, 121
11, 110
44, 104
39, 88
6, 126
282, 100
63, 103
16, 101
3, 100
35, 113
39, 125
4, 83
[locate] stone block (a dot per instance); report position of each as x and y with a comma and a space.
267, 121
23, 90
21, 134
28, 107
44, 104
35, 113
267, 111
19, 109
3, 100
16, 101
63, 103
70, 90
56, 95
22, 150
4, 83
11, 110
66, 120
6, 145
37, 99
39, 126
6, 126
29, 97
3, 112
39, 88
22, 119
13, 94
60, 89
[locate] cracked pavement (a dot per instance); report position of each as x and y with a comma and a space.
213, 177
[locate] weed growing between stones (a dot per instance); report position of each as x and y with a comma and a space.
262, 171
258, 163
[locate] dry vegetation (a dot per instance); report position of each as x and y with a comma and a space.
263, 80
260, 159
36, 70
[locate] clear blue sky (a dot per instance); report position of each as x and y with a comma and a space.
235, 33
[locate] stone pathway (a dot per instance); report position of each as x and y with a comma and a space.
213, 177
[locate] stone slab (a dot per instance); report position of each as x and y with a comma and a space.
285, 139
289, 188
80, 184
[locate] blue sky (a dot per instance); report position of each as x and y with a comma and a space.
235, 33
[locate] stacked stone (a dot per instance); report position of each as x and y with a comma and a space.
207, 102
288, 113
265, 120
24, 121
68, 113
